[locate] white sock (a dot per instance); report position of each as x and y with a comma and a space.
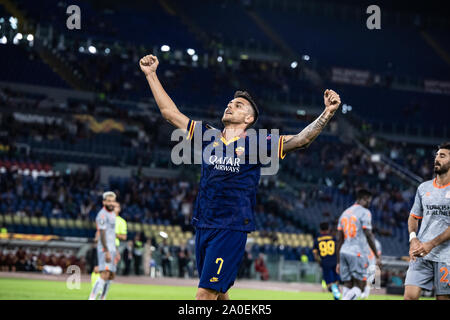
366, 292
105, 289
344, 291
353, 294
98, 287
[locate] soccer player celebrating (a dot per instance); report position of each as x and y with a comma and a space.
325, 253
430, 250
225, 204
106, 246
354, 233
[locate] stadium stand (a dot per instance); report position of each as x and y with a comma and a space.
118, 126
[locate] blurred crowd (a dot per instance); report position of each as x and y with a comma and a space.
38, 259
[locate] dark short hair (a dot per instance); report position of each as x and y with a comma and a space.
363, 193
324, 226
248, 97
444, 145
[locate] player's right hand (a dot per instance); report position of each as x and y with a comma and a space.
107, 256
149, 64
338, 268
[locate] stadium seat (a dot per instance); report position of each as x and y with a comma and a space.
131, 227
148, 234
26, 224
16, 219
53, 222
70, 224
138, 227
86, 224
78, 224
43, 222
34, 221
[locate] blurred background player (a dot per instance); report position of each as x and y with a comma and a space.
430, 249
354, 233
121, 233
225, 204
324, 250
372, 269
106, 246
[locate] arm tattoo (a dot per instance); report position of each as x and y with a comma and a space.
307, 135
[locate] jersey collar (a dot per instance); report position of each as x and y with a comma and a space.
439, 187
242, 135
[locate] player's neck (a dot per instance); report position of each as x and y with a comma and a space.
233, 130
443, 179
107, 209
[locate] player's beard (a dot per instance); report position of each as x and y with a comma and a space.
442, 169
110, 208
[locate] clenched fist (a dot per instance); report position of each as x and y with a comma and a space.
149, 64
332, 100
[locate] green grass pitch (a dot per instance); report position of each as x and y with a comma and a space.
25, 289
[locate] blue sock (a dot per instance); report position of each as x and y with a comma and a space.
335, 290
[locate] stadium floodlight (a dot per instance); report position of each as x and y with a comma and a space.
375, 157
219, 59
17, 38
81, 49
30, 37
305, 57
163, 234
244, 56
2, 20
13, 21
346, 108
165, 48
190, 51
3, 40
194, 57
294, 64
92, 49
107, 50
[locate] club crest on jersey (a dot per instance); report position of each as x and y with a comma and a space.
427, 194
239, 150
215, 144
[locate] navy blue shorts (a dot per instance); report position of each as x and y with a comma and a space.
219, 253
329, 274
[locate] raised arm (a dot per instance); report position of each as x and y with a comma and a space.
168, 109
307, 135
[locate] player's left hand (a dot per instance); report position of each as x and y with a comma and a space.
332, 100
338, 268
423, 249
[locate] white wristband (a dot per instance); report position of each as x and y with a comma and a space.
412, 235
